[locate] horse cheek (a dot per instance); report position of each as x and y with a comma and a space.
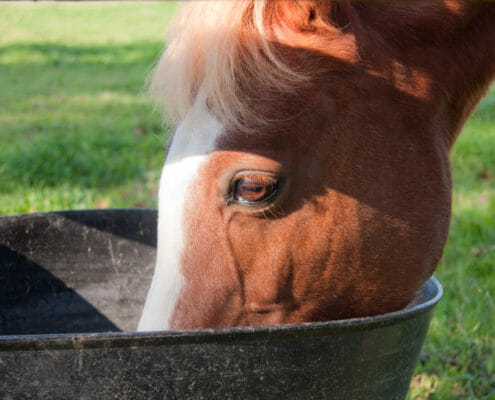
211, 296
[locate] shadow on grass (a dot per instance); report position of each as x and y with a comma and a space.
47, 69
59, 132
60, 55
85, 160
486, 109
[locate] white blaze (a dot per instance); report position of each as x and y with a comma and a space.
193, 141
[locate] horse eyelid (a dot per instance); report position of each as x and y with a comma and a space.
274, 183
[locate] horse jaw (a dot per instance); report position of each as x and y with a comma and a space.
193, 140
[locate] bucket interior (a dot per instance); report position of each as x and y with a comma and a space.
76, 271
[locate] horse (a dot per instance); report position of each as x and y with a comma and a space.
308, 176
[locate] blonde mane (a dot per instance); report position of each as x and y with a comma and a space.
222, 47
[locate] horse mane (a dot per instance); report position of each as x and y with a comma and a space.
224, 48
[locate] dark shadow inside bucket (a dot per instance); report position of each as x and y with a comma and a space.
34, 301
68, 272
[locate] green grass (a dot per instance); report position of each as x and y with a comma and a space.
77, 127
77, 130
458, 359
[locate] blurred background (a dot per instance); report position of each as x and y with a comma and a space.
77, 127
78, 130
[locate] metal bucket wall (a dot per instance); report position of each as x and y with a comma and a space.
66, 275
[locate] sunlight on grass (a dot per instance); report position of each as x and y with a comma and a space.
84, 23
423, 386
78, 129
141, 193
70, 107
457, 361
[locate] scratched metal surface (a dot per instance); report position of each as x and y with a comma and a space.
75, 271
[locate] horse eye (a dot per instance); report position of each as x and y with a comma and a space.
254, 188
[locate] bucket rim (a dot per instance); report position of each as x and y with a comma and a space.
157, 338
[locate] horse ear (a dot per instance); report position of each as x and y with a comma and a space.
311, 15
340, 14
335, 13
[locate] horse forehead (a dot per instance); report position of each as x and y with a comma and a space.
196, 134
193, 141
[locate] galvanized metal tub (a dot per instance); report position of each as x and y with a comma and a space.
72, 285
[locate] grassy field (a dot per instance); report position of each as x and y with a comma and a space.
77, 130
77, 127
458, 360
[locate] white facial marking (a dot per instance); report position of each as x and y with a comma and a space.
193, 141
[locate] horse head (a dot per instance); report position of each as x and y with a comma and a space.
308, 177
